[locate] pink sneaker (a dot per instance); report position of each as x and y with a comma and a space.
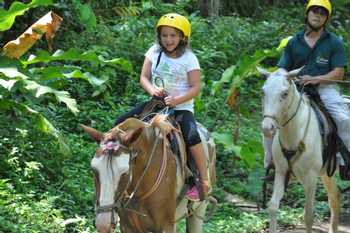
193, 194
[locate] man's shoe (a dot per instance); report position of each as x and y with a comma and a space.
269, 177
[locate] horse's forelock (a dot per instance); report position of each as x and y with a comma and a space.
277, 79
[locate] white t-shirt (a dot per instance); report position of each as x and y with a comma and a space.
173, 72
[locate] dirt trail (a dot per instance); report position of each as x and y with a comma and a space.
344, 226
344, 221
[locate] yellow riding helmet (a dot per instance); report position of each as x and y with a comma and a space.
322, 3
176, 21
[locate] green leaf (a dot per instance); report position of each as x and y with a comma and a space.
62, 96
7, 84
251, 151
76, 55
5, 105
225, 78
12, 72
228, 73
71, 103
223, 138
86, 76
246, 66
7, 18
9, 62
40, 122
118, 62
283, 43
226, 140
50, 72
45, 126
64, 148
100, 90
248, 156
85, 14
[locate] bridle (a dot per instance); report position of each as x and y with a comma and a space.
292, 116
118, 203
123, 198
292, 155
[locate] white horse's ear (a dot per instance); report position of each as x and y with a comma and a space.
293, 73
263, 71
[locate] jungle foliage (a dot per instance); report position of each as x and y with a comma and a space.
91, 77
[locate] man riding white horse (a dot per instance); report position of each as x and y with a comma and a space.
323, 58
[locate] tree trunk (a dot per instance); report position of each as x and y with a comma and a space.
209, 8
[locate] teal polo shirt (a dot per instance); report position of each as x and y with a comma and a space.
328, 53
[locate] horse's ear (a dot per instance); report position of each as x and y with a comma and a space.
263, 71
94, 134
131, 136
293, 73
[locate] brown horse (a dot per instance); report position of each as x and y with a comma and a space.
138, 176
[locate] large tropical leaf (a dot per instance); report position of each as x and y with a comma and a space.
46, 73
244, 68
15, 75
251, 150
7, 84
47, 25
8, 17
76, 55
12, 72
85, 14
61, 96
226, 140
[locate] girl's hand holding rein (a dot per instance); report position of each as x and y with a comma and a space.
171, 101
158, 91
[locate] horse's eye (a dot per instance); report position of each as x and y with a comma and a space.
284, 95
99, 152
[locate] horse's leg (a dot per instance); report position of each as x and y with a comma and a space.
194, 223
278, 191
169, 228
309, 182
333, 200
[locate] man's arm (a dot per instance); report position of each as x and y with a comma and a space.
329, 78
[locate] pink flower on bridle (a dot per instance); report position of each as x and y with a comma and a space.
111, 146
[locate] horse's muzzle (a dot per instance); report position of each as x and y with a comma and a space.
269, 127
104, 222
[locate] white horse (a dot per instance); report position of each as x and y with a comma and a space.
292, 125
